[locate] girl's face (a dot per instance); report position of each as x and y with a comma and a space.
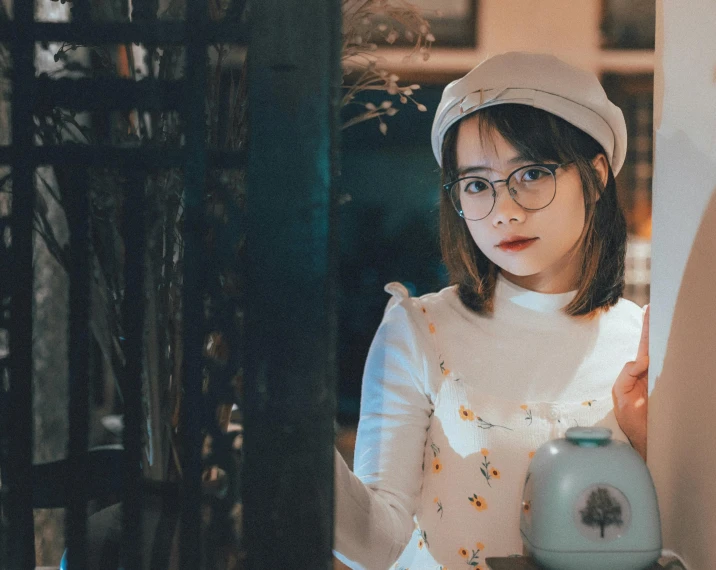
551, 264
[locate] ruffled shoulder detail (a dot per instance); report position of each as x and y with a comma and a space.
398, 292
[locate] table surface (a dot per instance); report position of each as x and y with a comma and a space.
522, 563
526, 563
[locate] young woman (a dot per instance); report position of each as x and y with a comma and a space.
532, 337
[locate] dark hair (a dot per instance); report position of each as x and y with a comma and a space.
540, 136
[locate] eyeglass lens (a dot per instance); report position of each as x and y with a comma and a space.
532, 187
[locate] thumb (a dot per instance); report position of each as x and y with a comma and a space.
630, 375
639, 366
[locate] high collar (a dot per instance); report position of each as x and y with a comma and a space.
508, 293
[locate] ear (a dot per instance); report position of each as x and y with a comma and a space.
601, 165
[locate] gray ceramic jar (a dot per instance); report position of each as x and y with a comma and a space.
589, 502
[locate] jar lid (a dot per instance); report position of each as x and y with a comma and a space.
589, 436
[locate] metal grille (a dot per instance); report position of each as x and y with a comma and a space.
289, 299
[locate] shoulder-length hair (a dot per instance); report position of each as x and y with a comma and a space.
540, 136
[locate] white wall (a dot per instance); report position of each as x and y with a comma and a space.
568, 29
682, 405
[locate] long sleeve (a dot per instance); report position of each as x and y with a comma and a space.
376, 504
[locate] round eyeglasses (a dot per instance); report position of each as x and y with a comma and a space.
533, 187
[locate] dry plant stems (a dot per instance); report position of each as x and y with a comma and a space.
365, 22
163, 350
163, 262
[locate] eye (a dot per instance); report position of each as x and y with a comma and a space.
474, 185
532, 174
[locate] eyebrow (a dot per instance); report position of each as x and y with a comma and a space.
519, 159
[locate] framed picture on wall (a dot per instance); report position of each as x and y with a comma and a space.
452, 22
628, 24
456, 24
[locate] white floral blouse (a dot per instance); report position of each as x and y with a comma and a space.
452, 416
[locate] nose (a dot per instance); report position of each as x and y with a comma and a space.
505, 208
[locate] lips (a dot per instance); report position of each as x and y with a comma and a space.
516, 245
514, 240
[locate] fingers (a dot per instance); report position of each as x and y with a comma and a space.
635, 367
631, 382
633, 373
643, 349
638, 367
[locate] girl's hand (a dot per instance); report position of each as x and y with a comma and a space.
630, 393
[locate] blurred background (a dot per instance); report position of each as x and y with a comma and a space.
389, 184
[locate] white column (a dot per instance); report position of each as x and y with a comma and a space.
681, 447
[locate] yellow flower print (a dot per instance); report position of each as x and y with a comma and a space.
483, 424
431, 328
466, 414
423, 309
421, 543
526, 506
531, 454
487, 471
485, 451
463, 552
528, 413
437, 465
588, 403
478, 502
474, 561
437, 501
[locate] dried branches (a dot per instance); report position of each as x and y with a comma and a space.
365, 24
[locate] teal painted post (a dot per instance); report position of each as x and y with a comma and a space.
17, 466
194, 283
294, 78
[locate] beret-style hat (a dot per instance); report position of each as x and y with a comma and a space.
542, 81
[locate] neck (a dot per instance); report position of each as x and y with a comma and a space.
541, 284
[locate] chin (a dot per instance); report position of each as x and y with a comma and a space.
517, 270
519, 274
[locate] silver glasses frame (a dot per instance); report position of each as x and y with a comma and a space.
551, 167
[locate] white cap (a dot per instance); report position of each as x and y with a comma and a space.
542, 81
